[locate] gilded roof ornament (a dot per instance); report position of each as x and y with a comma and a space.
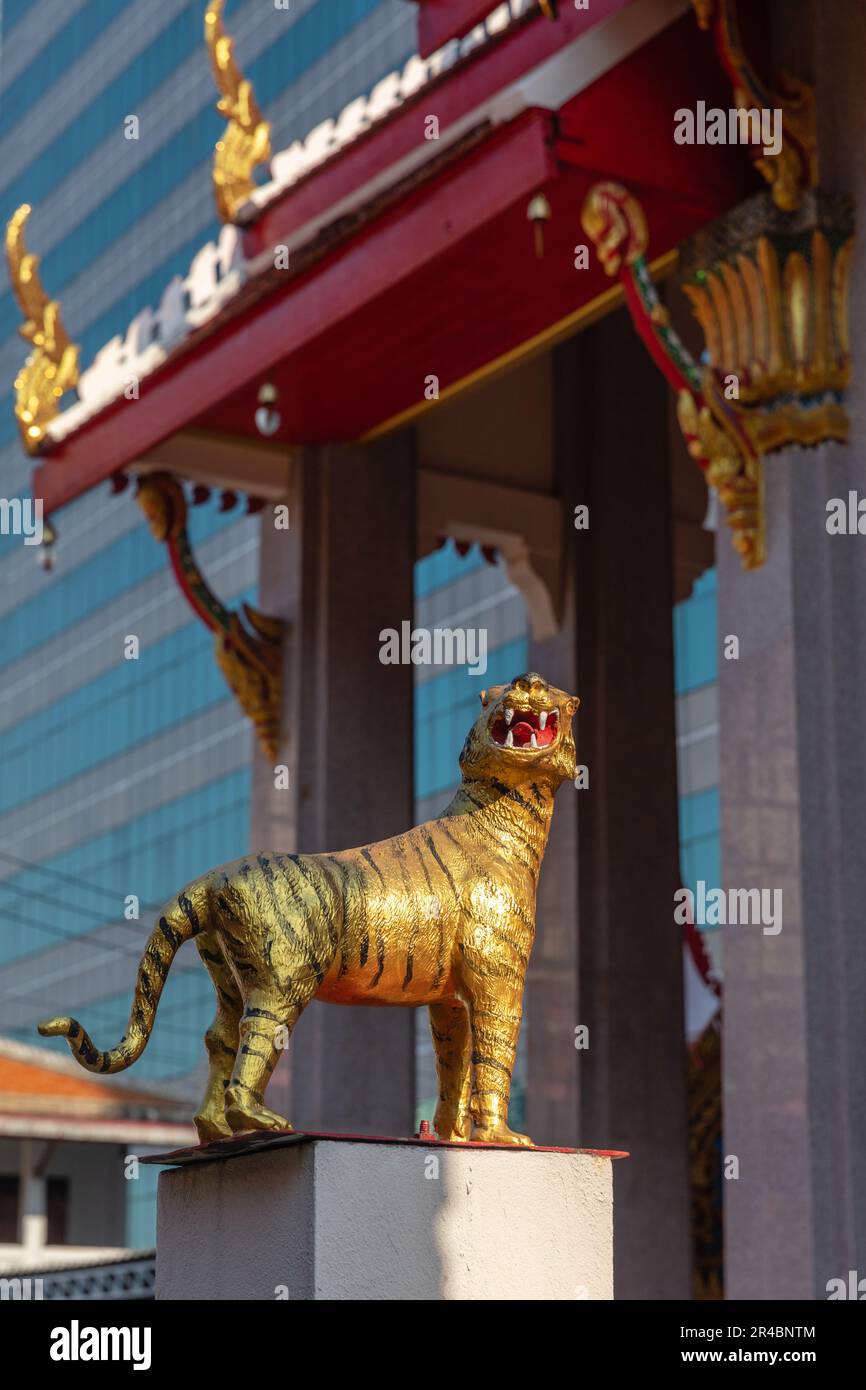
247, 645
246, 141
770, 292
794, 170
52, 367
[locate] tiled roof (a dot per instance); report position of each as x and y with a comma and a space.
38, 1082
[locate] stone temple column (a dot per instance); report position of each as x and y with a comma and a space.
630, 970
793, 796
551, 1011
345, 572
793, 788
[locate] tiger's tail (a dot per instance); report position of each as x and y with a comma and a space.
178, 923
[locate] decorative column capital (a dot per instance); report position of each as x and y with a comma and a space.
770, 292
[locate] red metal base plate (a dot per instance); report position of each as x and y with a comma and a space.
241, 1144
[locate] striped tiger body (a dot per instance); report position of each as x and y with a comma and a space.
443, 916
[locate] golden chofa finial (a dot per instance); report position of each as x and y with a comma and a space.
52, 367
246, 141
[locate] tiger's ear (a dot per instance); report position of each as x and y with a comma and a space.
572, 705
492, 694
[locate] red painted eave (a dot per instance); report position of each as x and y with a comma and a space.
459, 91
438, 275
295, 320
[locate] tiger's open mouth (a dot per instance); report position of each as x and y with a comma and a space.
525, 729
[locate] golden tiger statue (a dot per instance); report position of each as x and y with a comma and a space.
443, 915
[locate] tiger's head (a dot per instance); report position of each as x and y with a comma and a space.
523, 734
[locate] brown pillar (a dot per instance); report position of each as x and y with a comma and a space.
348, 743
551, 1008
633, 1075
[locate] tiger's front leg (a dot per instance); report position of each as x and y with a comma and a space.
495, 1031
492, 983
449, 1024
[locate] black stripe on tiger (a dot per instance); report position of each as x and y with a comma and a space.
304, 948
480, 1060
172, 937
400, 849
156, 960
189, 912
428, 840
380, 940
440, 950
345, 880
514, 795
306, 870
365, 854
479, 824
482, 967
380, 960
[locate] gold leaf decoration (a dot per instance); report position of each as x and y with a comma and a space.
52, 367
246, 141
248, 651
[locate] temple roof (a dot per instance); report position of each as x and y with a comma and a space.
373, 256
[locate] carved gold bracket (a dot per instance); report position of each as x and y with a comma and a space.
248, 651
52, 367
794, 170
770, 292
246, 141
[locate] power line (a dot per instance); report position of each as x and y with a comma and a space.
64, 878
61, 935
35, 895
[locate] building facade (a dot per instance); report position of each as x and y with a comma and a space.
123, 778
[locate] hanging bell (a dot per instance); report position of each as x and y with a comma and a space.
539, 212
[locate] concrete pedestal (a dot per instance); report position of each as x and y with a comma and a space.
343, 1219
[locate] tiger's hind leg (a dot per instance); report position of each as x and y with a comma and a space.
449, 1024
265, 1027
221, 1041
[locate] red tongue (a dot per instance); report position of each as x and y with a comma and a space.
522, 733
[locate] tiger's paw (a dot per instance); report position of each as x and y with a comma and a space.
210, 1127
244, 1115
500, 1134
453, 1129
